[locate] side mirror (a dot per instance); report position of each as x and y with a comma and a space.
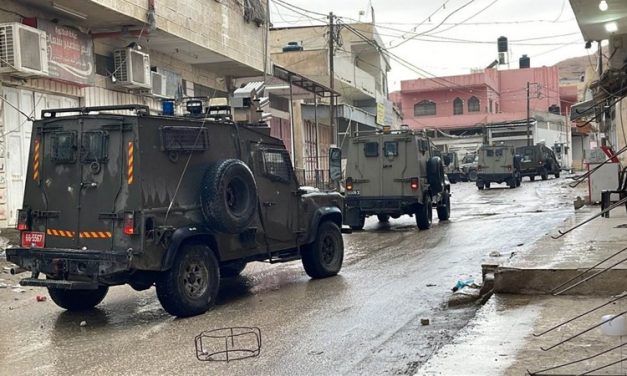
447, 159
335, 164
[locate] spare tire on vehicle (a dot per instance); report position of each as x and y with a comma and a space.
435, 175
228, 197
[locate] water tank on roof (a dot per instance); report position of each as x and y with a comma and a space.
502, 44
292, 46
524, 62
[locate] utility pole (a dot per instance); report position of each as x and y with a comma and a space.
332, 77
528, 120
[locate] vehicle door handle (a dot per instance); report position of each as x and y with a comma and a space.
268, 204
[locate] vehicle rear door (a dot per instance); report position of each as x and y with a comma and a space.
394, 166
106, 165
501, 160
367, 165
81, 179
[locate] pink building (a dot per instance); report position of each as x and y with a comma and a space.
489, 97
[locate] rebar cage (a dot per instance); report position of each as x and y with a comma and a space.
227, 344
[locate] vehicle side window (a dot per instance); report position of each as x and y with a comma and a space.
94, 147
371, 149
64, 147
390, 149
498, 152
489, 153
276, 165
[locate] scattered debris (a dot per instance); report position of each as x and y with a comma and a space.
495, 254
315, 352
3, 285
424, 322
463, 283
579, 203
520, 244
18, 290
226, 344
41, 298
465, 295
83, 323
431, 285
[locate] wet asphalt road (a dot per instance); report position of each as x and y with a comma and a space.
364, 321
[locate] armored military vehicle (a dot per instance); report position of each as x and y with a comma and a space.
498, 164
392, 173
168, 201
538, 160
468, 167
451, 167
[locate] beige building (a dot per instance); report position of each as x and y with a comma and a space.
360, 73
68, 53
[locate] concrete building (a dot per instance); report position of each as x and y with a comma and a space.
608, 101
457, 109
194, 47
360, 77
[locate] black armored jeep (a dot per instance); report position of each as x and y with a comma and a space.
175, 202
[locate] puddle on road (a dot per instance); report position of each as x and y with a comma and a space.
488, 344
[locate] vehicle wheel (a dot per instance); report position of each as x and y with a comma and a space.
232, 270
480, 185
190, 287
532, 178
487, 185
424, 215
228, 196
544, 174
557, 175
512, 183
444, 208
472, 175
323, 258
383, 218
435, 175
519, 181
77, 300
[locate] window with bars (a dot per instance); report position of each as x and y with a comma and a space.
424, 108
474, 105
458, 106
184, 139
276, 165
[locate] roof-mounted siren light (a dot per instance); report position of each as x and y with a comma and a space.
503, 50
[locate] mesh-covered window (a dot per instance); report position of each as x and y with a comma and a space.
390, 148
498, 152
458, 106
474, 105
94, 146
489, 153
276, 165
371, 149
64, 147
184, 138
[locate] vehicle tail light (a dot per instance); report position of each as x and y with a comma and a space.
349, 184
129, 223
23, 220
414, 183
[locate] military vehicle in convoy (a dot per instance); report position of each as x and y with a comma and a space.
538, 160
498, 164
393, 173
468, 167
175, 202
452, 168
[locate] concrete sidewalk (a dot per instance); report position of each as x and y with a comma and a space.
500, 341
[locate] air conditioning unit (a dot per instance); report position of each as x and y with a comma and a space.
132, 69
23, 50
159, 84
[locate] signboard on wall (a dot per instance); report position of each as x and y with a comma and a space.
380, 114
70, 53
